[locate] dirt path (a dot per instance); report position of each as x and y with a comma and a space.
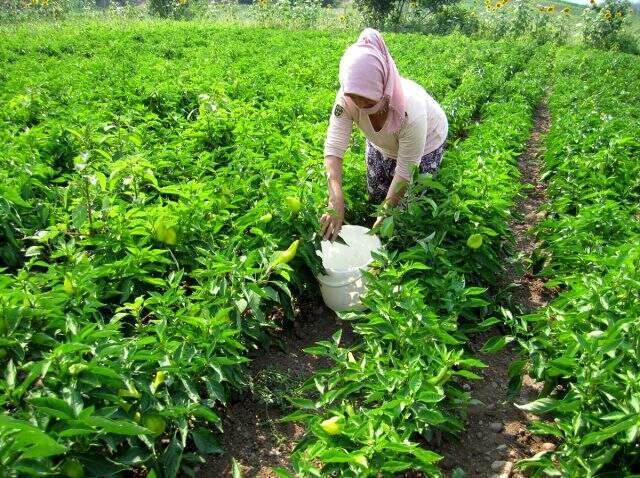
496, 435
252, 434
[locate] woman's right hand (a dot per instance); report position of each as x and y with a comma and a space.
331, 222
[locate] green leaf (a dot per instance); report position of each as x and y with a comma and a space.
117, 427
205, 413
79, 216
27, 440
171, 458
386, 228
608, 432
495, 344
206, 442
283, 473
54, 407
539, 406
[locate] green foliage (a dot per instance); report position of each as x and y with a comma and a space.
288, 13
177, 8
11, 10
145, 199
584, 345
604, 22
377, 12
137, 268
452, 18
517, 18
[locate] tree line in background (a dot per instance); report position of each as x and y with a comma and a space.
603, 24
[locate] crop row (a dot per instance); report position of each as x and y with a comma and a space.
585, 344
151, 173
367, 414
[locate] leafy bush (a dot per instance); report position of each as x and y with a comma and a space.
19, 9
443, 21
288, 13
584, 345
177, 8
394, 13
516, 18
604, 23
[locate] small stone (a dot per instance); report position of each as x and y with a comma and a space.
548, 446
494, 384
491, 406
466, 387
496, 427
502, 467
502, 447
479, 435
480, 422
498, 465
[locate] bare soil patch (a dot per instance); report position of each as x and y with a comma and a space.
252, 434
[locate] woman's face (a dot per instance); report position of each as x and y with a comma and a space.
362, 102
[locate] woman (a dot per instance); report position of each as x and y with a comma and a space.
404, 126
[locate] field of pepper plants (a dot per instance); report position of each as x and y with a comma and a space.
160, 189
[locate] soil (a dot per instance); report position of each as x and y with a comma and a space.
252, 434
496, 434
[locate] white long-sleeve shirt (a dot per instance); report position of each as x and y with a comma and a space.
425, 128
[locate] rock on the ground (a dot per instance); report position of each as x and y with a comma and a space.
548, 446
502, 447
496, 427
503, 468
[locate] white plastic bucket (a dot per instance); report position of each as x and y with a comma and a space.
343, 284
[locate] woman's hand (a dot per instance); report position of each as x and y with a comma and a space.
331, 222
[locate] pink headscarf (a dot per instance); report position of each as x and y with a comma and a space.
367, 70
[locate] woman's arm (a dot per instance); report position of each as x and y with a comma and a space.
396, 192
330, 223
397, 189
336, 143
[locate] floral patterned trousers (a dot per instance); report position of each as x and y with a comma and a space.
380, 170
